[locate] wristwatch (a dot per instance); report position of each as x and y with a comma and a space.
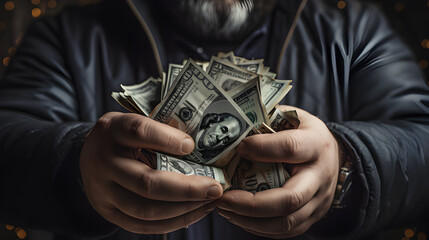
343, 185
345, 174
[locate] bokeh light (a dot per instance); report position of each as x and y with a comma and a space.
341, 4
36, 12
20, 233
6, 61
399, 7
423, 64
9, 5
422, 236
409, 233
52, 4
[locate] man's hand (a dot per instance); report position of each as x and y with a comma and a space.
313, 153
129, 193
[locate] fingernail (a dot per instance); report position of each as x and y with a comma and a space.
187, 145
213, 193
241, 148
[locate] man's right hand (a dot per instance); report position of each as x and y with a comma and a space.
130, 194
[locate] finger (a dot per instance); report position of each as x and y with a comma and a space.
136, 131
142, 208
306, 119
162, 185
274, 225
290, 146
158, 227
295, 193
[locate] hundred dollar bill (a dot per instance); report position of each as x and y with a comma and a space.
203, 65
232, 166
173, 72
140, 98
255, 66
239, 60
263, 129
227, 75
258, 176
141, 87
273, 91
283, 120
125, 102
229, 56
145, 95
172, 164
196, 105
248, 97
270, 74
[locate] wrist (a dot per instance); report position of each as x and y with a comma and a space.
344, 174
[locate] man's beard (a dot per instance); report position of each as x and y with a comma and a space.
229, 20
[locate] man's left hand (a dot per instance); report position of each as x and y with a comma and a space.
314, 156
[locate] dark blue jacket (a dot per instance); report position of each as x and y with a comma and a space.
349, 69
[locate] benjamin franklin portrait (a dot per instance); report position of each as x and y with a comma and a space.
217, 131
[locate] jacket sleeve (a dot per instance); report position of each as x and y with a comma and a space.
40, 140
386, 132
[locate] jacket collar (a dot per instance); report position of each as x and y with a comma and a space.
287, 12
141, 10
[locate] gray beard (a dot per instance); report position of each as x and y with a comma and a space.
219, 19
215, 18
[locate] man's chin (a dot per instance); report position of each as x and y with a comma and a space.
219, 20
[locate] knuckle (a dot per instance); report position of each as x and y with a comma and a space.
189, 192
170, 139
259, 144
296, 200
290, 145
288, 223
255, 146
138, 128
103, 123
146, 184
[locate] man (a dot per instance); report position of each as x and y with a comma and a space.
350, 70
217, 132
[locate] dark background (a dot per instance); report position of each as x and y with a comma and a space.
409, 17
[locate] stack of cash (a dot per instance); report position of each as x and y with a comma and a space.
218, 103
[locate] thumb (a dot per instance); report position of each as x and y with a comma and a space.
135, 131
290, 146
